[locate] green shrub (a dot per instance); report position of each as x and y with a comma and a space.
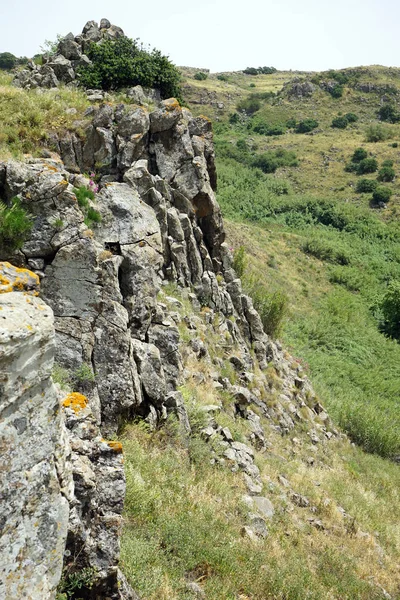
351, 117
358, 155
386, 173
8, 61
15, 226
291, 123
336, 91
222, 77
326, 251
338, 76
270, 161
200, 76
71, 582
123, 63
389, 307
273, 307
240, 261
249, 105
84, 374
376, 132
388, 113
395, 145
93, 215
366, 185
381, 194
263, 128
367, 165
259, 71
250, 71
306, 126
83, 195
339, 122
349, 277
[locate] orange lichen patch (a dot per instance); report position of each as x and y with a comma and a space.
115, 446
205, 118
76, 402
4, 280
63, 181
88, 233
51, 168
172, 104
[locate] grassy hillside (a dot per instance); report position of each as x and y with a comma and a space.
186, 515
309, 234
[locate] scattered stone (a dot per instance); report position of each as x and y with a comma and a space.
299, 500
264, 506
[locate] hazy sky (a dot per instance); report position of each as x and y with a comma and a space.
224, 35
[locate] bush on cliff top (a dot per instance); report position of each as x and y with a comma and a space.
123, 63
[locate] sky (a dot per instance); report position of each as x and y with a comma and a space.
223, 35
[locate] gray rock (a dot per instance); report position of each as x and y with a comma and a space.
147, 357
105, 24
33, 455
62, 68
69, 48
264, 506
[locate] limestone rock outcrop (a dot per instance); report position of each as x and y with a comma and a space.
117, 331
35, 486
62, 66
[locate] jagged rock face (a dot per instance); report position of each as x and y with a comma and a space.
160, 222
62, 485
35, 486
62, 66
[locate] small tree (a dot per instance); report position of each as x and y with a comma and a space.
306, 126
7, 61
358, 155
339, 123
367, 165
366, 185
381, 194
388, 113
200, 76
336, 91
386, 173
249, 105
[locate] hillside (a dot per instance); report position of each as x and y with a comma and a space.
331, 249
211, 404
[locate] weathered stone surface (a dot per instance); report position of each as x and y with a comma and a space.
13, 279
34, 508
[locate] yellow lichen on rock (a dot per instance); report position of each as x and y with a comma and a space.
77, 402
15, 279
115, 446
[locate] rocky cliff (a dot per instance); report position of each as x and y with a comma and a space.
118, 335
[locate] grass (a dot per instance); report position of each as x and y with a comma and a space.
27, 117
184, 516
184, 519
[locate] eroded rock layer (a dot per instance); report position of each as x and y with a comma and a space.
117, 331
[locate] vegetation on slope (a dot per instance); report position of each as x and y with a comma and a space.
185, 516
316, 234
